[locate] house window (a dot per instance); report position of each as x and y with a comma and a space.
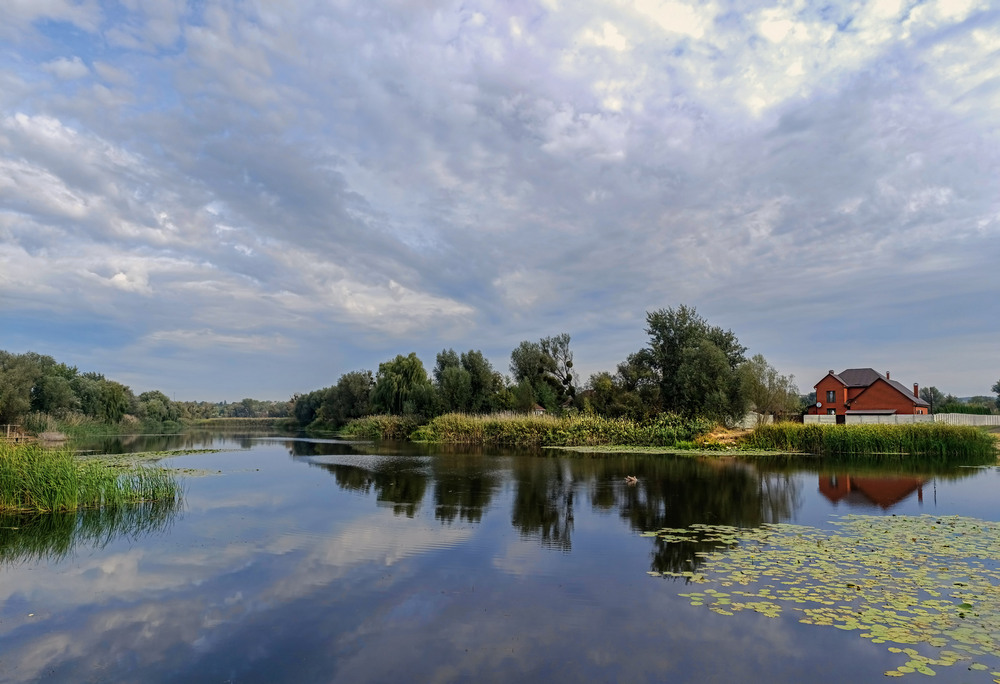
831, 396
831, 412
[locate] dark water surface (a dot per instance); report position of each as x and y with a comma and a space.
301, 560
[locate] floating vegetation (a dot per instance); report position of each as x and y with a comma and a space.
915, 581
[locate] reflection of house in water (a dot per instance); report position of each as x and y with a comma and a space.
884, 492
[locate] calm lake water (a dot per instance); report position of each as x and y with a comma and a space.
300, 560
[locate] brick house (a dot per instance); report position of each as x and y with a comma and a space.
865, 391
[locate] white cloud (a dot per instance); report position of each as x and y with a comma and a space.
67, 69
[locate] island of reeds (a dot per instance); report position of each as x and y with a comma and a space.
34, 479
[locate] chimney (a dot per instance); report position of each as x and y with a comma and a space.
831, 372
887, 375
916, 390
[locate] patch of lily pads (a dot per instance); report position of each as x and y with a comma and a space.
929, 585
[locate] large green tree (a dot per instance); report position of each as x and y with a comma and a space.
996, 389
696, 364
402, 387
547, 365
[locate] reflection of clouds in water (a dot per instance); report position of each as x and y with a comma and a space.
165, 616
373, 539
520, 558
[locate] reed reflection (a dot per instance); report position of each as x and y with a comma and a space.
54, 536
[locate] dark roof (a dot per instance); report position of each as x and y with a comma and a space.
902, 388
864, 377
859, 377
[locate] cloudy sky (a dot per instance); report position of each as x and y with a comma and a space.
250, 198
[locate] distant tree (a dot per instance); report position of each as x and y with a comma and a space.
769, 392
996, 390
485, 382
155, 406
353, 396
695, 364
807, 400
547, 365
452, 382
402, 387
116, 401
933, 396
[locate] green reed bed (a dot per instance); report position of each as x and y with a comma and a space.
936, 441
576, 430
34, 479
380, 427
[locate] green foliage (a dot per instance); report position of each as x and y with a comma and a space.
768, 392
402, 387
547, 365
945, 443
383, 426
547, 430
996, 390
959, 407
33, 479
695, 364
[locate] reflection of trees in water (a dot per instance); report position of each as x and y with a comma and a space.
671, 492
53, 536
463, 486
401, 483
543, 500
189, 439
677, 492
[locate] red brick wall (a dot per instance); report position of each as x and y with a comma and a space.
882, 395
830, 383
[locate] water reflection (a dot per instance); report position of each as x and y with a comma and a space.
54, 536
870, 491
670, 492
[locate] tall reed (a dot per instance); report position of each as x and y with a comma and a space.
944, 442
380, 427
33, 479
578, 430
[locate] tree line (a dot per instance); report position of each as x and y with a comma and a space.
33, 383
689, 367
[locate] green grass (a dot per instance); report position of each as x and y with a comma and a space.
380, 427
38, 480
937, 442
578, 430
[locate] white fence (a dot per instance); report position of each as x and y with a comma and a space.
966, 419
906, 419
890, 419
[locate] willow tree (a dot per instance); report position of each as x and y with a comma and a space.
402, 387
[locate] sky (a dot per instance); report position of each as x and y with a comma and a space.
249, 198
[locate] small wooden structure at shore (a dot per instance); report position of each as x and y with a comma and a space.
13, 433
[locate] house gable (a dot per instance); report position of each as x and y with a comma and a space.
884, 394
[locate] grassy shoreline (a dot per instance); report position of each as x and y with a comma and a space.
933, 443
38, 480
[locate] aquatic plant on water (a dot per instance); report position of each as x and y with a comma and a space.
929, 584
34, 479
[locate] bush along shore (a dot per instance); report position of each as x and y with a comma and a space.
531, 430
38, 480
935, 441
